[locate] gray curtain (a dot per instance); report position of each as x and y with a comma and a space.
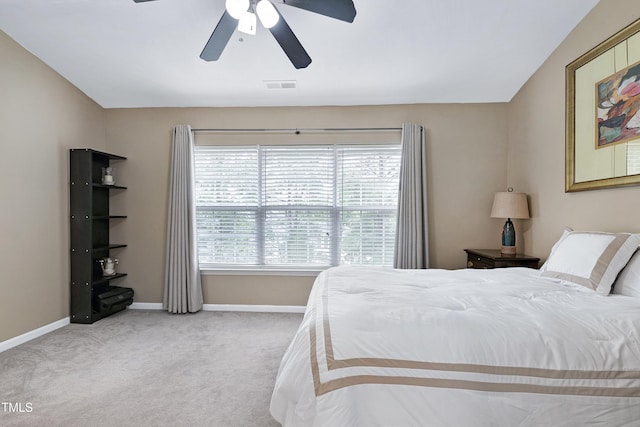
182, 286
412, 234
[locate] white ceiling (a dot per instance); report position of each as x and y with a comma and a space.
126, 54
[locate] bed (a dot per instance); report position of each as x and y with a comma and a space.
504, 347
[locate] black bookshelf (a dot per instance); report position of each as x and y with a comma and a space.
89, 229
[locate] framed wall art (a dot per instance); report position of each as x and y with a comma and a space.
603, 114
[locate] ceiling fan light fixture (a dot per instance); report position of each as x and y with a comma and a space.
248, 23
267, 13
236, 7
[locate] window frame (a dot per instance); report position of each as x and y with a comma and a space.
335, 212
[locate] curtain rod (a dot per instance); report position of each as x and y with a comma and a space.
299, 130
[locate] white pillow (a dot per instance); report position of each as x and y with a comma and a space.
628, 282
590, 259
565, 231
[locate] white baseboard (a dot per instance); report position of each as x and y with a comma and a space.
146, 306
228, 307
28, 336
255, 308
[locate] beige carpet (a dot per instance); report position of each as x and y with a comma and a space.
148, 368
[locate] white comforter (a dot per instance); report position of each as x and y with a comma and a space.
503, 347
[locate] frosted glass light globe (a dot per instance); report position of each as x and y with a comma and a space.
236, 7
267, 13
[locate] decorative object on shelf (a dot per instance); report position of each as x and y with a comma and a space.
107, 176
508, 204
108, 266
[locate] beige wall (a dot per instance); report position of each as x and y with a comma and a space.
536, 143
467, 153
41, 116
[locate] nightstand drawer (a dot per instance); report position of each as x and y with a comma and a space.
492, 258
477, 262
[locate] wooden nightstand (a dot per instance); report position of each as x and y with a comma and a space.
493, 258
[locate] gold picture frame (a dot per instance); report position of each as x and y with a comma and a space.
587, 166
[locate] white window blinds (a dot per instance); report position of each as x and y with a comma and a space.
368, 197
296, 206
633, 158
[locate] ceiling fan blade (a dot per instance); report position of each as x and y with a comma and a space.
219, 38
142, 1
290, 43
343, 10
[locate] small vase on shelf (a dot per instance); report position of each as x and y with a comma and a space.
107, 176
108, 266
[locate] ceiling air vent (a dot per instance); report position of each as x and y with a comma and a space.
280, 84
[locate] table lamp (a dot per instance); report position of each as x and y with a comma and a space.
508, 204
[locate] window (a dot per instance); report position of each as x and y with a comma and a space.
633, 158
296, 206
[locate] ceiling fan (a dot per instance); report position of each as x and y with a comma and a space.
241, 14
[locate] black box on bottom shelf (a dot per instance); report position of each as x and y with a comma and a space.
115, 298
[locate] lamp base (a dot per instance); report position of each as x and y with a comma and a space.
508, 238
508, 250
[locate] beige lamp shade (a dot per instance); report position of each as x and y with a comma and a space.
510, 205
